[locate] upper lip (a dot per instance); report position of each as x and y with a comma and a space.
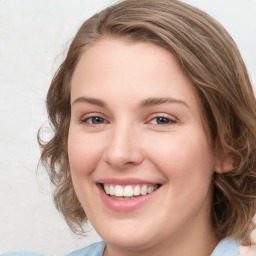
127, 181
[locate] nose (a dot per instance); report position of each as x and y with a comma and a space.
124, 149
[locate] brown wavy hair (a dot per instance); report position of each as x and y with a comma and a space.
211, 59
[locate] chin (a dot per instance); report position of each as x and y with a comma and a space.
129, 235
133, 242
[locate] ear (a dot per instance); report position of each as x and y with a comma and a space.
225, 165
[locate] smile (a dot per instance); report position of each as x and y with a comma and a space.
128, 192
126, 195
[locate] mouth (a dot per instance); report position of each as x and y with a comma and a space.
128, 192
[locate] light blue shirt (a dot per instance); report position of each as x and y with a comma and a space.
226, 247
95, 249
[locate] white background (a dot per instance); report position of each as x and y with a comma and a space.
34, 36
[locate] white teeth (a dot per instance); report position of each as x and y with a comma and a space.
119, 191
136, 190
143, 190
107, 189
126, 192
111, 190
150, 189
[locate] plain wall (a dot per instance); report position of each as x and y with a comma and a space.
34, 36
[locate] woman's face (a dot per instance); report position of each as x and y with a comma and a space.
136, 129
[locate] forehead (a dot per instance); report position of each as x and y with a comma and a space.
118, 64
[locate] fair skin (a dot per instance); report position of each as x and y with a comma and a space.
136, 122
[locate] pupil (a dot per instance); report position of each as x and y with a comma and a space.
97, 120
163, 120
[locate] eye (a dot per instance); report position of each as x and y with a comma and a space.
161, 120
94, 120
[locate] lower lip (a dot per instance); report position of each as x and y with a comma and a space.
124, 205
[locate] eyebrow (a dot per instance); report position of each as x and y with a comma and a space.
145, 103
93, 101
158, 101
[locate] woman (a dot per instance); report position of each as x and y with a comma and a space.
154, 133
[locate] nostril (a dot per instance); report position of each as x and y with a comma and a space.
128, 163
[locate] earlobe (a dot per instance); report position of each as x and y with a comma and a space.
225, 165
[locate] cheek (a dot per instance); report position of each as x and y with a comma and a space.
84, 152
184, 158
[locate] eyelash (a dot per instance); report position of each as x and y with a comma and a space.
86, 120
167, 121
